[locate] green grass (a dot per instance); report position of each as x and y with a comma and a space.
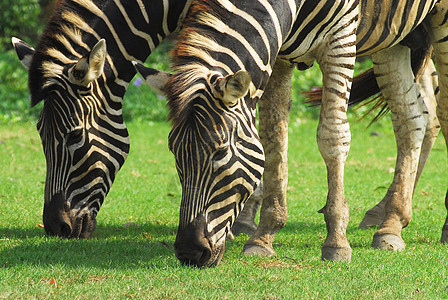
139, 262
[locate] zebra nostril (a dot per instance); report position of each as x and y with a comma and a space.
192, 247
205, 256
58, 228
49, 231
56, 218
197, 257
65, 230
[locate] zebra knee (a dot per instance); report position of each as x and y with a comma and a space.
333, 142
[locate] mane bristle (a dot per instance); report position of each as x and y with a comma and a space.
179, 90
187, 65
60, 34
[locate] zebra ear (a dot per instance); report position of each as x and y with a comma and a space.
24, 51
90, 66
154, 78
233, 87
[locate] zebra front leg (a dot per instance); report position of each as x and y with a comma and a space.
337, 61
428, 86
245, 223
274, 109
444, 238
396, 81
333, 139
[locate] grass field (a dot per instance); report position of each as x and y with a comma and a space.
139, 262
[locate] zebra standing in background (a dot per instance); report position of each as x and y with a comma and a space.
82, 84
229, 48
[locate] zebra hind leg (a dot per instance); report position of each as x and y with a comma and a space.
428, 86
375, 215
444, 238
274, 107
393, 66
439, 28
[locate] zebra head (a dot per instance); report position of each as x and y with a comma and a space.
84, 138
219, 157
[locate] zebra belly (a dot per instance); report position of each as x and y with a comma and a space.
381, 24
314, 28
384, 23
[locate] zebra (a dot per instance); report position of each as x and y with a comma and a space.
212, 128
82, 83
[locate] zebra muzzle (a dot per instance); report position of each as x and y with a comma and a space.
68, 222
193, 247
56, 217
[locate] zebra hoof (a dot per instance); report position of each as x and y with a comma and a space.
244, 227
370, 220
254, 249
388, 241
444, 238
343, 254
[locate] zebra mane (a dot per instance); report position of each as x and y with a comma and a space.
61, 43
180, 89
189, 57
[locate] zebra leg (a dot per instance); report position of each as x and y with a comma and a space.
428, 85
439, 28
274, 109
375, 215
444, 238
396, 81
333, 140
245, 223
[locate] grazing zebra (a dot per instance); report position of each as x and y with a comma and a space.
82, 84
228, 48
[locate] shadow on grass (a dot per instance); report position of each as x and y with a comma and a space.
148, 245
115, 247
309, 233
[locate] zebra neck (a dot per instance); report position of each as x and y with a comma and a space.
132, 29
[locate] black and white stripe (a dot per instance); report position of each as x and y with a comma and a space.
82, 83
223, 37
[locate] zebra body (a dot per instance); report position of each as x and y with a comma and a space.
82, 83
223, 37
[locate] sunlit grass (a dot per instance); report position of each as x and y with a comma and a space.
138, 261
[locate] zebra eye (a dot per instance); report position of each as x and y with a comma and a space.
220, 153
74, 136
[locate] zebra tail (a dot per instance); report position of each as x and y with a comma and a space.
365, 89
364, 86
419, 60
